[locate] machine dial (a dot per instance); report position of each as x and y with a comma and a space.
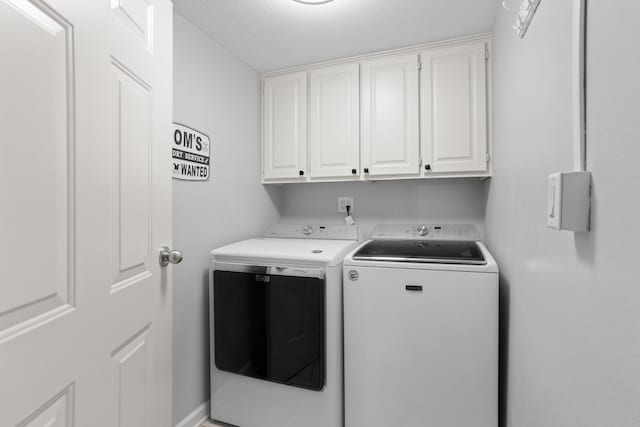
423, 230
307, 230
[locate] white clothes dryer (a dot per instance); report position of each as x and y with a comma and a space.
276, 327
421, 329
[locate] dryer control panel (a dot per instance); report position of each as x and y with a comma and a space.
313, 231
426, 232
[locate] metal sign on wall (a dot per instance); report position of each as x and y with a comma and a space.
191, 154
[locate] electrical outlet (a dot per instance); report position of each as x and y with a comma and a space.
343, 202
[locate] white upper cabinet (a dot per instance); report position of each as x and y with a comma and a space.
285, 127
419, 113
334, 122
390, 118
454, 109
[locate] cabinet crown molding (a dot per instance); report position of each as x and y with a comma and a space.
480, 37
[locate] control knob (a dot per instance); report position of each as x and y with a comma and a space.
307, 230
423, 230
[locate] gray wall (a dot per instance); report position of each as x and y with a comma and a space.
219, 95
571, 301
405, 201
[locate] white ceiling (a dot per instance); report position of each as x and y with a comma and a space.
275, 34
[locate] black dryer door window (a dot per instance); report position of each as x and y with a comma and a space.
270, 327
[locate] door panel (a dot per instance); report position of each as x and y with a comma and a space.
390, 122
85, 203
334, 121
131, 126
130, 381
58, 412
285, 126
137, 17
35, 118
454, 115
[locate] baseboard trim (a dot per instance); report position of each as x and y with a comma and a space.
197, 417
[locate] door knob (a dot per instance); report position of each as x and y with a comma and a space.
168, 256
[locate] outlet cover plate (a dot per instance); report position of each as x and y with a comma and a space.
343, 201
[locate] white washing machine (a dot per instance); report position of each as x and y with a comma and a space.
276, 327
421, 329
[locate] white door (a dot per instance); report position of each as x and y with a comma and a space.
390, 122
285, 126
334, 121
85, 113
454, 109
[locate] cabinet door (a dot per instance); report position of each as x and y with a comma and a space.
285, 126
454, 110
390, 122
334, 121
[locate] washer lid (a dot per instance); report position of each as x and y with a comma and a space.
424, 251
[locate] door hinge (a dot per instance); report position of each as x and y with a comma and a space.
419, 65
420, 163
488, 157
486, 54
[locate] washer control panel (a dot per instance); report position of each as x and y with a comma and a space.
313, 231
426, 231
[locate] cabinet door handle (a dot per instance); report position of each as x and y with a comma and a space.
427, 167
366, 170
301, 173
354, 171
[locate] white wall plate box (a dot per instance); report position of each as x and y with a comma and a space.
568, 205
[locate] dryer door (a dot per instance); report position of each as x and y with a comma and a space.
270, 327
